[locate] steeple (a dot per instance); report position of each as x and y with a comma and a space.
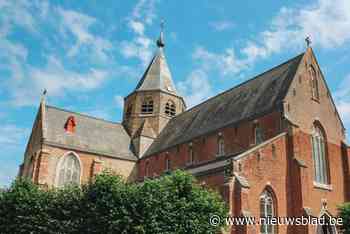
154, 100
157, 75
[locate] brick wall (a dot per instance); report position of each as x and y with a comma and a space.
237, 139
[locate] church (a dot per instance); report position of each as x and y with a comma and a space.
273, 145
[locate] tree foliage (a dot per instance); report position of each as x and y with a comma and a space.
344, 212
173, 203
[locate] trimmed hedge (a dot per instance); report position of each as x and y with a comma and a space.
173, 203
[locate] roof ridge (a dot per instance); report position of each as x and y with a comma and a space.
239, 85
84, 115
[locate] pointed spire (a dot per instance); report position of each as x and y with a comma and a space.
160, 41
308, 41
43, 113
43, 96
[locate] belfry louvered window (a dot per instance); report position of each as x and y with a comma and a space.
69, 170
266, 212
170, 108
147, 106
319, 157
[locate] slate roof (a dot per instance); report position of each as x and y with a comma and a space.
251, 99
91, 134
157, 75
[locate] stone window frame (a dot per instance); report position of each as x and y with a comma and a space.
268, 208
320, 155
59, 166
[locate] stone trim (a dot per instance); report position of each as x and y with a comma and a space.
251, 150
48, 143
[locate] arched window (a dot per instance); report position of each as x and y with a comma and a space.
147, 169
190, 154
267, 209
221, 146
167, 164
69, 170
147, 106
319, 156
314, 83
170, 108
259, 134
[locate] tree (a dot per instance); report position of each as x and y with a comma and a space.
174, 203
344, 212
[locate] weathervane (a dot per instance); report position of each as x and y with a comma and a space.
308, 41
160, 41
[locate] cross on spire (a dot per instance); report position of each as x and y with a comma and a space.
308, 41
160, 41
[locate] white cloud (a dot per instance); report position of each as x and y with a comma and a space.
56, 79
137, 27
196, 88
120, 101
12, 136
342, 99
226, 63
145, 10
221, 25
140, 46
326, 22
78, 25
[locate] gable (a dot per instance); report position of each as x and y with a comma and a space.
251, 99
322, 109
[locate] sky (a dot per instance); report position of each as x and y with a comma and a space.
90, 54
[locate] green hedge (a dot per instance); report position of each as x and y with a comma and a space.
174, 203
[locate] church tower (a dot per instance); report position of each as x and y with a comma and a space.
153, 102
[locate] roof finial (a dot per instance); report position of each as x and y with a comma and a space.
160, 41
43, 96
308, 41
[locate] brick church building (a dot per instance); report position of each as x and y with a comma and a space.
273, 145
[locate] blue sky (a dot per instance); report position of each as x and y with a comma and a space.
90, 54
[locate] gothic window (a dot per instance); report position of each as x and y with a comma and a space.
147, 169
69, 170
314, 83
190, 154
147, 106
170, 108
319, 156
167, 164
221, 146
258, 134
266, 211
